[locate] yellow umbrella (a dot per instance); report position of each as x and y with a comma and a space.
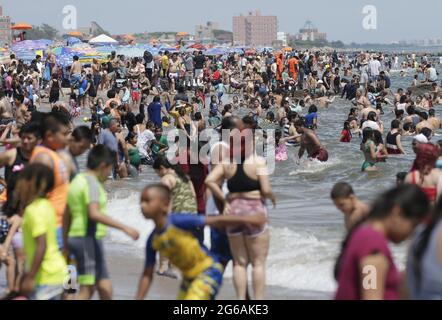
182, 34
287, 49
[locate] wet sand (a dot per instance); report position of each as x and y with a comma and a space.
125, 271
125, 274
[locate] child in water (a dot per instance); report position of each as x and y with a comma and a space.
281, 148
174, 238
134, 154
346, 133
349, 204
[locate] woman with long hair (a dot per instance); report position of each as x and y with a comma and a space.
368, 148
248, 184
424, 173
365, 269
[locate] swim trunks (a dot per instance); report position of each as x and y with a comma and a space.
205, 286
89, 255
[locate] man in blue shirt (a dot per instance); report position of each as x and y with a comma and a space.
154, 111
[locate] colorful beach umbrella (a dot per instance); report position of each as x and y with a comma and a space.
75, 34
21, 26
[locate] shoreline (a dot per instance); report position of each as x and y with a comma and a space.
125, 274
125, 270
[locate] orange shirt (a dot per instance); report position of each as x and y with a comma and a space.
279, 67
59, 195
293, 70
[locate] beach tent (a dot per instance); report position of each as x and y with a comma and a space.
103, 39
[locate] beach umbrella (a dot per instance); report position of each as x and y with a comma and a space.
72, 40
75, 34
250, 52
21, 26
236, 50
197, 46
182, 34
216, 51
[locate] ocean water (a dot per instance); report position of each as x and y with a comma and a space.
306, 229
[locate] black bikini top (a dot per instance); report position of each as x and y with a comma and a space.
241, 182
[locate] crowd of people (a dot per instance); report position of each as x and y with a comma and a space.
55, 211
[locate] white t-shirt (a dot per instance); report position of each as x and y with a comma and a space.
375, 67
144, 139
432, 74
401, 106
371, 124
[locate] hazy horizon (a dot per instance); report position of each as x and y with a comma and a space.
340, 19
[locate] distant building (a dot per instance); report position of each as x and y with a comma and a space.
206, 31
282, 38
255, 30
310, 33
5, 29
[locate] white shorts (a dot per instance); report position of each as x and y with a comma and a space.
17, 240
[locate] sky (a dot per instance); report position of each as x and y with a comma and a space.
340, 19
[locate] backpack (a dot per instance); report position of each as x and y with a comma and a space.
4, 229
148, 57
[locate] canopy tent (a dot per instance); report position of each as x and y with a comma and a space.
103, 39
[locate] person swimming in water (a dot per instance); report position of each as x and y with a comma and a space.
368, 147
309, 143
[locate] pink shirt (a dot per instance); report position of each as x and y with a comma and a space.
363, 242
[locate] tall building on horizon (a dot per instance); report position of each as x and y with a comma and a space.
310, 33
206, 31
5, 29
255, 29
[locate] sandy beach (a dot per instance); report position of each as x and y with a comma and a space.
125, 271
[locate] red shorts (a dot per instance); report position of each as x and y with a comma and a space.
135, 96
393, 151
321, 155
